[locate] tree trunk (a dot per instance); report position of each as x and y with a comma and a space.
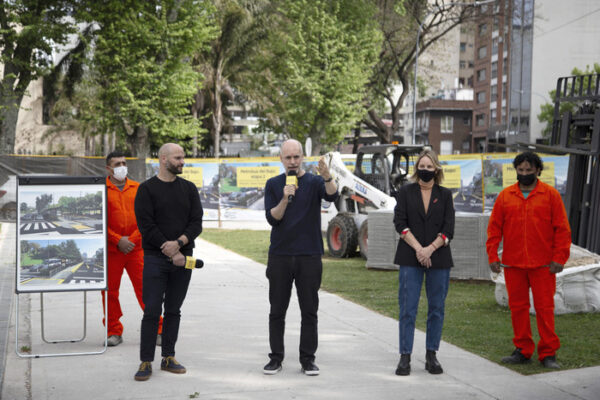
195, 111
356, 138
9, 113
316, 144
375, 123
139, 145
195, 145
106, 143
217, 112
90, 145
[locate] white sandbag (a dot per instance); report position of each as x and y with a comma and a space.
577, 286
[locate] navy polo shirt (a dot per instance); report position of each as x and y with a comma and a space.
299, 231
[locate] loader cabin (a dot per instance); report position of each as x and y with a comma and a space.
386, 166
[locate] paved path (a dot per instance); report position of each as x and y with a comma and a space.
224, 344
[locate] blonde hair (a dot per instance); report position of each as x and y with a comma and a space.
439, 171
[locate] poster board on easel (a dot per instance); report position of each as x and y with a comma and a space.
61, 239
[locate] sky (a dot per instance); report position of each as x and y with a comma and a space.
88, 246
28, 194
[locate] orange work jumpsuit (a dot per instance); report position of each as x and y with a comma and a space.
536, 232
121, 222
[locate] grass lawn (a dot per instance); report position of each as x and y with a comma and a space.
26, 260
229, 185
474, 321
493, 185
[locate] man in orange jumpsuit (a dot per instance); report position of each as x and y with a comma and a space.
124, 243
530, 217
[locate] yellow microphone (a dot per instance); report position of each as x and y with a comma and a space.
291, 179
191, 263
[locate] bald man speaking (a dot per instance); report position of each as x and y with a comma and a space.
169, 217
293, 208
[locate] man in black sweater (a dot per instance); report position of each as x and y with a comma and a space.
295, 252
169, 217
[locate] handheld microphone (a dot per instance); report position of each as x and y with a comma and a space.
291, 179
191, 263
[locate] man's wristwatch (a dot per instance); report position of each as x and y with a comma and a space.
328, 180
180, 243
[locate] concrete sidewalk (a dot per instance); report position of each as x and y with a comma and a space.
223, 342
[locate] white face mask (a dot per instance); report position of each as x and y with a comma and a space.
120, 173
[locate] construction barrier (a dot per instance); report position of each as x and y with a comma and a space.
232, 188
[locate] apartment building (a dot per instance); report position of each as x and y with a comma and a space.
445, 122
466, 63
565, 35
521, 48
447, 65
493, 55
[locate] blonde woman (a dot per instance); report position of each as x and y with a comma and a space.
424, 217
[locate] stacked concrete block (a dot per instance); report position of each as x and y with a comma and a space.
383, 240
468, 245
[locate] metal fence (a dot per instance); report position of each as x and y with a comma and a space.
13, 165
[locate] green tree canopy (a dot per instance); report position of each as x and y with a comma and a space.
69, 250
392, 78
29, 32
315, 77
243, 27
41, 202
98, 257
141, 67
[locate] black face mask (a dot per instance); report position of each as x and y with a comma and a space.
425, 175
526, 180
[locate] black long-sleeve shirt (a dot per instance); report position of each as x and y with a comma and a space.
166, 210
299, 231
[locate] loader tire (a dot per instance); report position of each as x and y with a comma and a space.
363, 239
342, 236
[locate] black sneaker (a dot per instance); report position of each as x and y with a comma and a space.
272, 367
144, 372
310, 368
516, 358
170, 364
550, 362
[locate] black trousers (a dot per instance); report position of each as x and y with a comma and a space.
282, 272
163, 281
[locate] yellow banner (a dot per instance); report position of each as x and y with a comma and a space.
509, 156
509, 175
548, 175
193, 174
451, 176
255, 177
453, 157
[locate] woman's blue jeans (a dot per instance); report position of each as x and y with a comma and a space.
409, 292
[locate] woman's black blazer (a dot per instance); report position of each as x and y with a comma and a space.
410, 213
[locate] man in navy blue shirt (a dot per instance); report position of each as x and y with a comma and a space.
295, 252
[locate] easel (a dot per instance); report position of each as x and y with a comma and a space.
55, 341
69, 233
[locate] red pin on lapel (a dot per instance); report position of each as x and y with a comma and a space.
435, 200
